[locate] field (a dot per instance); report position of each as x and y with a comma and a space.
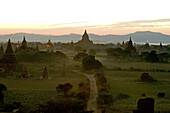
129, 83
122, 77
34, 90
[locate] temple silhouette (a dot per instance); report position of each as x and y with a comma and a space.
85, 41
9, 60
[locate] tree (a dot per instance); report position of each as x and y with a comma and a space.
92, 52
163, 57
150, 57
2, 88
63, 105
101, 81
90, 63
115, 52
64, 88
80, 56
78, 48
60, 55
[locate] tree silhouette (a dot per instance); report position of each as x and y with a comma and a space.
64, 88
90, 63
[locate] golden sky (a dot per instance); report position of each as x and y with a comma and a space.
59, 17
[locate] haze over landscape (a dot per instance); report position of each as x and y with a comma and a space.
140, 37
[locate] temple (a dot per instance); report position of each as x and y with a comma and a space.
9, 60
85, 40
24, 43
1, 49
24, 73
45, 73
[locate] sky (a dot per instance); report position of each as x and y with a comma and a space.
57, 17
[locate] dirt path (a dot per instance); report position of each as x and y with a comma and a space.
92, 103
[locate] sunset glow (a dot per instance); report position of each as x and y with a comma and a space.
100, 17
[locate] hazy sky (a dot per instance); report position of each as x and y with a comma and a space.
73, 16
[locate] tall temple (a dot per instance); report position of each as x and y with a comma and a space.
24, 43
9, 60
85, 40
130, 43
23, 47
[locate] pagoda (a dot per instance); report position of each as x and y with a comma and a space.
23, 47
85, 40
49, 44
9, 60
24, 43
24, 73
45, 73
1, 49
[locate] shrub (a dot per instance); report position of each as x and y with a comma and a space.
63, 106
104, 99
123, 96
64, 88
80, 56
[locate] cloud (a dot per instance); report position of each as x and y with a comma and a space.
69, 23
143, 23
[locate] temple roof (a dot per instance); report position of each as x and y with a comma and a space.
9, 47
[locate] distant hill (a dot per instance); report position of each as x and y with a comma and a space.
139, 37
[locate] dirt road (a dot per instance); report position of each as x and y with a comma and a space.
92, 103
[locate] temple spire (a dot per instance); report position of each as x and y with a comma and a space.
9, 60
1, 48
45, 73
24, 43
9, 47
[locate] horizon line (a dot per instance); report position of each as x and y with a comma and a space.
82, 33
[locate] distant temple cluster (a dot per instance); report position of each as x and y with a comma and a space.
9, 60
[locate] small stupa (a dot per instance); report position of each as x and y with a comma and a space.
1, 49
24, 73
45, 73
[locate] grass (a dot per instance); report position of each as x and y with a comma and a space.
34, 91
111, 63
128, 83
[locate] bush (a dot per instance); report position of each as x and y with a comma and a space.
92, 52
64, 88
84, 96
80, 56
62, 106
123, 96
104, 99
60, 55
